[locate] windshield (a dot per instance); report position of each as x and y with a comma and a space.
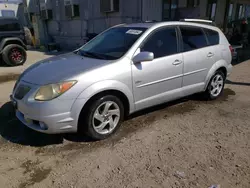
113, 43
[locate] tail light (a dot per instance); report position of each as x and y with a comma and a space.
231, 49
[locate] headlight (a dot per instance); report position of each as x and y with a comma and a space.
51, 91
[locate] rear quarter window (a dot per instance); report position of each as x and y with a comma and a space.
212, 36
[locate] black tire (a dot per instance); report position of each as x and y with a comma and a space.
11, 59
207, 94
85, 124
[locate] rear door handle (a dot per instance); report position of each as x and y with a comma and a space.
210, 54
177, 62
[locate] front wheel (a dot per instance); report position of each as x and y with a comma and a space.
104, 116
215, 86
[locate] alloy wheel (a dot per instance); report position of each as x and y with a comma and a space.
106, 117
216, 85
16, 56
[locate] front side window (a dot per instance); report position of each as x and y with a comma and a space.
112, 44
162, 43
212, 36
193, 38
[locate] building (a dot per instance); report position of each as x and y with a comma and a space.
69, 22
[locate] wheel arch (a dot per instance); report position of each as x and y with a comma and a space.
7, 41
223, 70
107, 87
117, 93
124, 99
220, 65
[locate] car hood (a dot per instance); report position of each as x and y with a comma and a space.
59, 68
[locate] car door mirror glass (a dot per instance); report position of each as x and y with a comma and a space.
143, 56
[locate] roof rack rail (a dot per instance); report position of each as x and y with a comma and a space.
201, 21
150, 21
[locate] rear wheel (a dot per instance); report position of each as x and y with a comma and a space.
215, 86
103, 117
14, 55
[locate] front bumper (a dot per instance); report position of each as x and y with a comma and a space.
51, 117
55, 124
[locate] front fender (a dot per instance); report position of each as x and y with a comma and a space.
108, 85
214, 68
14, 39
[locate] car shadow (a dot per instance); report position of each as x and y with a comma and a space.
237, 83
162, 106
14, 131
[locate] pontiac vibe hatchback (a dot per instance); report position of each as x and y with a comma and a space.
124, 69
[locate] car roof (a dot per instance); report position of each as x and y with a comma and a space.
169, 23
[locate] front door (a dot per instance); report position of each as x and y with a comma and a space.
161, 79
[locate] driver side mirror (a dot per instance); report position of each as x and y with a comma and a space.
143, 56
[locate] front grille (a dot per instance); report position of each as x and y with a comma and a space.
21, 91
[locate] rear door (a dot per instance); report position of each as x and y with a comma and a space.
198, 58
213, 43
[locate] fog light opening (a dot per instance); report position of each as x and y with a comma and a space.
43, 126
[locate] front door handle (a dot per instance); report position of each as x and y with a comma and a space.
210, 54
177, 62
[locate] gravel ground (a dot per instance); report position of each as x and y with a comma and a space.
186, 143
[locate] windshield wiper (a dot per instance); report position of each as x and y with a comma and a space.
91, 54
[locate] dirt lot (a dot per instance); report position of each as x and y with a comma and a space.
187, 143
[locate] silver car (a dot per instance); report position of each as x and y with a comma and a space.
125, 69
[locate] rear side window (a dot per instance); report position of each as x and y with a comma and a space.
9, 25
193, 38
212, 36
162, 43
